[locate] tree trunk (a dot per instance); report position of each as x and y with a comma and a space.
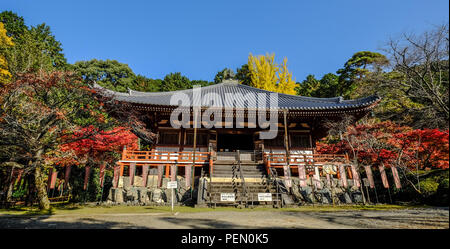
10, 185
39, 179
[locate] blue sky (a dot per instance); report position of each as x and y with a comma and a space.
199, 38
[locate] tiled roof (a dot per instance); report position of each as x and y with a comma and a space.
245, 97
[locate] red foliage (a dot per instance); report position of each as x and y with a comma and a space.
427, 147
389, 143
98, 147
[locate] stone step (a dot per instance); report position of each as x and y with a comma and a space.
230, 179
254, 198
243, 170
242, 166
227, 167
251, 172
238, 176
231, 176
215, 188
230, 163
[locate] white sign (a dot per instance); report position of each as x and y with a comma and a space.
172, 184
264, 196
227, 197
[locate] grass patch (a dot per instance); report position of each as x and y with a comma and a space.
77, 209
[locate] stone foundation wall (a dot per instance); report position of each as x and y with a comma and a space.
138, 194
150, 194
326, 194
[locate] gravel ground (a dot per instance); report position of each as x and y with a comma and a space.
404, 218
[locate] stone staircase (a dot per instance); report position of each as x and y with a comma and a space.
226, 178
250, 169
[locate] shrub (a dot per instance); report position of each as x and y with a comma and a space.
442, 193
428, 187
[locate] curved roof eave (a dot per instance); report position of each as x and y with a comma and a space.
242, 100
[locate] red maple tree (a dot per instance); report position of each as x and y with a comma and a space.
102, 147
390, 144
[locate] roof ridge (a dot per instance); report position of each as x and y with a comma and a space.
315, 99
285, 100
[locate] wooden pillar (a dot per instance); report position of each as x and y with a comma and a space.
193, 154
211, 165
116, 176
132, 169
343, 175
287, 169
144, 175
121, 169
49, 178
181, 139
87, 172
102, 173
160, 175
187, 175
167, 170
268, 165
67, 175
316, 178
384, 179
302, 175
394, 170
173, 172
369, 174
328, 180
53, 177
356, 181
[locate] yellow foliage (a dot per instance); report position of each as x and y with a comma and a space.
285, 83
263, 71
266, 74
5, 42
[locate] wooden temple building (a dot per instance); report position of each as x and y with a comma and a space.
223, 154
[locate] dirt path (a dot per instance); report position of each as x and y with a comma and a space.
406, 218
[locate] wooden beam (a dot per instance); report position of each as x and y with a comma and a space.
193, 154
167, 170
286, 145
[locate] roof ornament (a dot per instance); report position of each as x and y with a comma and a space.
230, 81
340, 99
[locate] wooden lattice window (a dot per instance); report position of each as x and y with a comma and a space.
168, 137
300, 140
278, 141
202, 139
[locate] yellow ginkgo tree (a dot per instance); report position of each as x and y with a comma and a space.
268, 75
5, 42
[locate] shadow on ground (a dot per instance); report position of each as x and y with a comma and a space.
195, 223
382, 219
42, 222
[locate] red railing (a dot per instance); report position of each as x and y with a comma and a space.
278, 160
164, 157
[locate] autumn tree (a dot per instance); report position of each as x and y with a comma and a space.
37, 112
268, 75
5, 43
14, 24
421, 63
391, 145
35, 48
